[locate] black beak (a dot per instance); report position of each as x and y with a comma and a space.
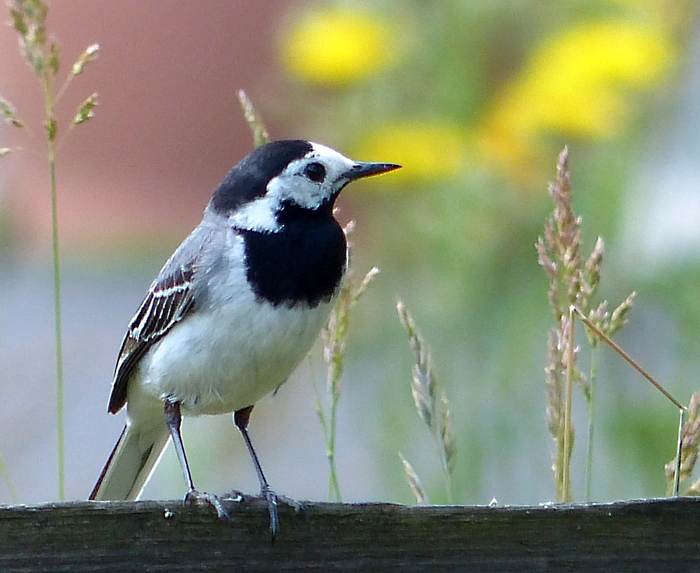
360, 169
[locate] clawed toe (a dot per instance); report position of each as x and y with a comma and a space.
293, 503
194, 497
271, 497
273, 500
198, 498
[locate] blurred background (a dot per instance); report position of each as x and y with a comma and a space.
476, 99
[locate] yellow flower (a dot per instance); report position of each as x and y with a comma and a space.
428, 151
335, 46
579, 83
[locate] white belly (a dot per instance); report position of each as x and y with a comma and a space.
220, 361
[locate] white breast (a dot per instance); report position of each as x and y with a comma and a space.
228, 359
229, 353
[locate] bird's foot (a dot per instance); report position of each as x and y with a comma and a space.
271, 498
194, 497
293, 503
268, 495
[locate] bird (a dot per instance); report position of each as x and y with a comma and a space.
233, 311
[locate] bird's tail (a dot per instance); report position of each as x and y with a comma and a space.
131, 462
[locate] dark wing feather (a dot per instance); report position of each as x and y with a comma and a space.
168, 301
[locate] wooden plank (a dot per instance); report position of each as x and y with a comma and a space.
639, 536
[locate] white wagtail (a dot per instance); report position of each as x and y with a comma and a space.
234, 310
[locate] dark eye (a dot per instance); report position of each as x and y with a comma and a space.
316, 172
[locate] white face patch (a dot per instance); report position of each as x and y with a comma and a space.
294, 185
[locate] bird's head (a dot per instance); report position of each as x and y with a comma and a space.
286, 175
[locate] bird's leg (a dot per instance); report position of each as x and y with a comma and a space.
173, 419
240, 419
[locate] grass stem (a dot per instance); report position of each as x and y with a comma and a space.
626, 357
49, 101
679, 454
568, 405
58, 328
591, 424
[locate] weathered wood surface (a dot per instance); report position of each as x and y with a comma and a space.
651, 535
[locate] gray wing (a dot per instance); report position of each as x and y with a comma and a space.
168, 301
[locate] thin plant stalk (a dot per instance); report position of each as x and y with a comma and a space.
679, 454
46, 86
334, 385
46, 82
329, 439
682, 409
593, 375
430, 400
253, 119
334, 355
335, 336
681, 467
335, 341
42, 53
333, 483
58, 328
568, 406
626, 357
573, 282
414, 481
